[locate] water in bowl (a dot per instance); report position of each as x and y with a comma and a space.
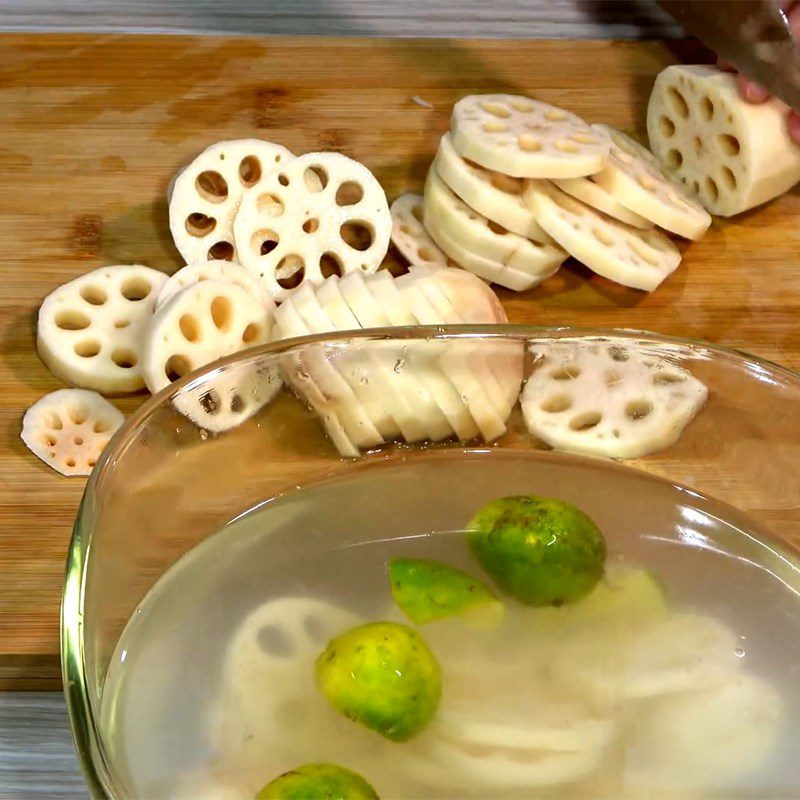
211, 690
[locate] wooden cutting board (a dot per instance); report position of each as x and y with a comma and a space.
92, 128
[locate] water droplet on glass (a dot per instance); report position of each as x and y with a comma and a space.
399, 364
739, 652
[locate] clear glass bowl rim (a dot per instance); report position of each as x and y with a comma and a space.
85, 733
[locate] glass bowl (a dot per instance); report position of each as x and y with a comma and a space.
165, 483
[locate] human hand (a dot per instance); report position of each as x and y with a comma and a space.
751, 91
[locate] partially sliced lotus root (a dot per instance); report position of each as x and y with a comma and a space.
488, 241
634, 178
409, 236
69, 428
474, 303
425, 420
626, 255
321, 311
456, 364
202, 323
204, 197
315, 379
213, 271
587, 191
492, 194
526, 138
730, 154
320, 214
424, 356
608, 399
90, 330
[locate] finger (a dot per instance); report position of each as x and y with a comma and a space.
793, 121
752, 92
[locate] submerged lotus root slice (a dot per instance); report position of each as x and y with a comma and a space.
488, 241
90, 330
607, 400
626, 255
410, 237
320, 214
634, 178
69, 428
202, 323
492, 194
526, 138
731, 154
204, 197
217, 271
587, 191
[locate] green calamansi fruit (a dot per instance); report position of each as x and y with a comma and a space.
318, 782
540, 550
428, 590
383, 676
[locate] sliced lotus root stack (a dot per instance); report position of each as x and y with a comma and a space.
730, 154
204, 197
90, 330
608, 399
526, 138
214, 271
69, 428
497, 254
320, 214
492, 194
587, 191
409, 235
626, 255
634, 178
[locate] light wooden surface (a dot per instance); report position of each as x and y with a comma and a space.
92, 129
574, 19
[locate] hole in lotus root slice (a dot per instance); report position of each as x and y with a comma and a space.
212, 186
249, 171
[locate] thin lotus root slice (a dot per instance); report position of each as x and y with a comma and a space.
730, 154
498, 197
491, 271
204, 197
213, 271
90, 330
634, 178
204, 322
639, 259
608, 400
68, 429
587, 191
487, 240
410, 237
322, 213
526, 138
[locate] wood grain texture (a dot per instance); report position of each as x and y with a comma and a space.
576, 19
37, 759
